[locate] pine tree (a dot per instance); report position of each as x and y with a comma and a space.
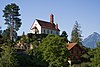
12, 20
76, 34
0, 30
1, 36
64, 34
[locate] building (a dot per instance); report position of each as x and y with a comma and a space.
44, 27
76, 51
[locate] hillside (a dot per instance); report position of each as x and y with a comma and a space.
91, 40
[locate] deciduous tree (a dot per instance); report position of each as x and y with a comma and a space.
54, 51
96, 59
7, 58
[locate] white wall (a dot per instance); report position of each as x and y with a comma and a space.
46, 31
37, 25
41, 30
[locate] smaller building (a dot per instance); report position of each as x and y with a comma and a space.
22, 45
44, 27
76, 51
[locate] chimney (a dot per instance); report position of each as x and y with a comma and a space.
51, 18
56, 26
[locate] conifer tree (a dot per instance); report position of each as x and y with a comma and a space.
0, 35
64, 34
0, 30
12, 20
76, 34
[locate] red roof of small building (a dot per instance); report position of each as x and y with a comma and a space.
48, 25
71, 45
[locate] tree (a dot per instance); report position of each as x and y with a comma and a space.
0, 36
12, 20
64, 34
36, 55
1, 41
0, 31
24, 60
5, 35
76, 33
7, 58
54, 51
96, 59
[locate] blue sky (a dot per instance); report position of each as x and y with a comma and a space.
66, 12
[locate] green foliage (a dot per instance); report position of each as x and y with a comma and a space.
23, 39
12, 20
64, 34
76, 33
36, 55
35, 45
85, 58
81, 65
24, 60
12, 10
6, 34
1, 38
54, 51
96, 59
7, 58
0, 30
91, 52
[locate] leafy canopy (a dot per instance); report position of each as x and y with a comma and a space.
54, 51
7, 58
96, 59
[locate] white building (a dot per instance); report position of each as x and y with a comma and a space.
44, 27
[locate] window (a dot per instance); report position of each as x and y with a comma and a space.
48, 31
51, 31
44, 31
57, 32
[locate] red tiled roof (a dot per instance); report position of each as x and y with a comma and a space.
47, 25
71, 45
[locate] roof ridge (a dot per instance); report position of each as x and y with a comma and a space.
71, 45
42, 20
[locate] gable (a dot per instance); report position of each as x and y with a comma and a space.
75, 47
35, 24
71, 45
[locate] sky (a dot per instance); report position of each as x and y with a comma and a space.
66, 12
